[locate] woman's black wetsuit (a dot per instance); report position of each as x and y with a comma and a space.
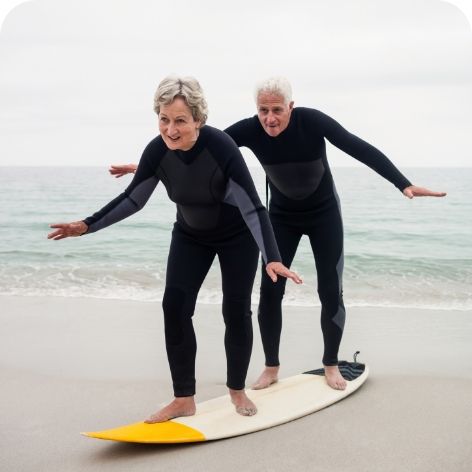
217, 210
304, 201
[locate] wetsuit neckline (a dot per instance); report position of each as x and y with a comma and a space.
195, 150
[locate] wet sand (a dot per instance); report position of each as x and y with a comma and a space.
71, 365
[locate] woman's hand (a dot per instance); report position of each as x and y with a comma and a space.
277, 268
414, 191
122, 169
67, 230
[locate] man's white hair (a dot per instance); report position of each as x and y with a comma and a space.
276, 85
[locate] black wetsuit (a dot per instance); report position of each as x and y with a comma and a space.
304, 201
217, 210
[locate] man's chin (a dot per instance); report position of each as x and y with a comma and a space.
273, 132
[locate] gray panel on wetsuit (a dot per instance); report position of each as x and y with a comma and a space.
128, 205
201, 187
296, 180
238, 197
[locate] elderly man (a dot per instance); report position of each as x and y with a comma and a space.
289, 142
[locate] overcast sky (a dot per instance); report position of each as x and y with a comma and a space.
78, 77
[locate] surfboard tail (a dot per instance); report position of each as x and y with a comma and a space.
349, 370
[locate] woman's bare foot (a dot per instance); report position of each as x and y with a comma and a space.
334, 378
244, 406
268, 377
181, 406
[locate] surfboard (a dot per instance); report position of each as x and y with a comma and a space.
288, 399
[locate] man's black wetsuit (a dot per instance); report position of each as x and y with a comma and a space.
217, 210
304, 201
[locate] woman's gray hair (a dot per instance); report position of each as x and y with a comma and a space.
276, 85
186, 87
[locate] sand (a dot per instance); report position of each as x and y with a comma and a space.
71, 365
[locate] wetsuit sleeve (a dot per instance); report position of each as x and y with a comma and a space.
132, 199
240, 132
241, 192
363, 152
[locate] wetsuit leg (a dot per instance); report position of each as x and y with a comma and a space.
187, 266
326, 240
239, 259
271, 294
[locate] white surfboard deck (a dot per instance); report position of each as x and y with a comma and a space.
284, 401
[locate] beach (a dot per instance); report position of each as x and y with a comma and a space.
82, 345
75, 364
82, 342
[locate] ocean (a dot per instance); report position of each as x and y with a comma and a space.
398, 252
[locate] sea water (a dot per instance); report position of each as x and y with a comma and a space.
398, 252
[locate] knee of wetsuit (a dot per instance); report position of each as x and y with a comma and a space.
174, 306
236, 308
272, 292
237, 317
330, 293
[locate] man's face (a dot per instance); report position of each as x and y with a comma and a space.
273, 112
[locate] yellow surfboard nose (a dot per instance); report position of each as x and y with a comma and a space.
167, 432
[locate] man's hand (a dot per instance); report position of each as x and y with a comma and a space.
414, 191
122, 169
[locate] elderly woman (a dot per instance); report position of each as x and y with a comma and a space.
218, 213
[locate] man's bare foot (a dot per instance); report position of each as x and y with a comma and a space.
268, 377
181, 406
244, 406
334, 378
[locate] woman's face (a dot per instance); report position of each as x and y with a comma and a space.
177, 127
